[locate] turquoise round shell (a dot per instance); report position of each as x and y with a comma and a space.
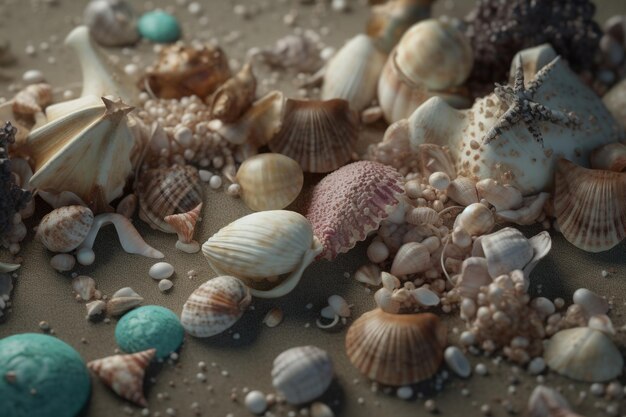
149, 327
41, 376
159, 26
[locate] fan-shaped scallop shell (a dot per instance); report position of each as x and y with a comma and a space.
215, 306
319, 135
65, 228
351, 202
590, 206
166, 191
396, 349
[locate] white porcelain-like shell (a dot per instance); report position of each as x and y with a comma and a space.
65, 228
215, 306
301, 374
506, 250
502, 197
412, 258
476, 219
111, 22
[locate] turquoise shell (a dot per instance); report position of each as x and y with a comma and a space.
47, 366
150, 327
159, 26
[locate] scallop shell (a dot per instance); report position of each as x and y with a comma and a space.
269, 181
215, 306
301, 374
65, 228
506, 250
259, 247
319, 135
84, 286
611, 157
166, 191
584, 354
184, 224
351, 202
111, 22
124, 374
412, 258
590, 206
32, 99
235, 96
396, 349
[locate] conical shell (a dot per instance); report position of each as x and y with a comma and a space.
235, 96
590, 206
166, 191
611, 157
124, 374
396, 349
412, 258
301, 374
269, 181
215, 306
184, 224
319, 135
65, 228
506, 250
584, 354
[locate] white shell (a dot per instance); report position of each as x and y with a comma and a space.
425, 297
165, 285
506, 250
591, 302
476, 219
84, 286
111, 22
65, 228
339, 305
63, 262
123, 300
457, 362
161, 270
502, 197
412, 258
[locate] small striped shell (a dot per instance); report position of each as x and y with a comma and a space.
184, 224
235, 96
65, 228
319, 135
301, 374
215, 306
396, 349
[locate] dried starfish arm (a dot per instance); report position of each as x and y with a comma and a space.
540, 112
507, 121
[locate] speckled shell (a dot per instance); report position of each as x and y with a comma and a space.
65, 228
111, 22
215, 306
301, 374
235, 96
269, 181
124, 374
166, 191
319, 135
396, 349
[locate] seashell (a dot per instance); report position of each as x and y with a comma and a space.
273, 317
475, 219
65, 228
235, 96
301, 374
8, 267
339, 305
584, 354
474, 274
435, 158
32, 99
260, 246
86, 152
386, 302
546, 402
352, 74
502, 197
161, 270
269, 181
463, 191
439, 180
591, 302
165, 285
127, 206
184, 224
124, 374
299, 52
425, 297
84, 286
377, 251
319, 409
541, 244
351, 202
610, 157
215, 306
603, 323
95, 309
111, 22
123, 300
396, 349
63, 262
368, 274
532, 208
412, 258
166, 191
506, 250
423, 215
319, 135
588, 205
182, 71
457, 362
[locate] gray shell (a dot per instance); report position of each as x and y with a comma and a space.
111, 22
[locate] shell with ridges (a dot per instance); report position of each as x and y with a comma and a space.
184, 224
502, 197
65, 228
611, 157
111, 22
435, 158
123, 300
235, 96
412, 258
506, 250
476, 219
463, 191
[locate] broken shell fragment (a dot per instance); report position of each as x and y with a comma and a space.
65, 228
368, 274
235, 96
84, 286
95, 309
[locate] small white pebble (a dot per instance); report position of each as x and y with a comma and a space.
165, 285
485, 409
481, 369
131, 69
200, 376
597, 389
33, 77
255, 402
205, 175
430, 406
215, 182
405, 393
170, 412
536, 366
85, 256
194, 8
457, 362
161, 270
605, 273
236, 336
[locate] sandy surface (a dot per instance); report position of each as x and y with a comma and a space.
41, 294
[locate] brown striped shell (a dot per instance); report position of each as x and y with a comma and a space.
184, 224
319, 135
63, 229
396, 349
235, 96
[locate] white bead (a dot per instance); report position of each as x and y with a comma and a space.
215, 182
457, 362
33, 77
161, 270
85, 256
404, 393
165, 285
255, 402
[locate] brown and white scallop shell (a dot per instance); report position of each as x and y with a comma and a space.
235, 96
65, 228
319, 135
215, 306
590, 206
396, 349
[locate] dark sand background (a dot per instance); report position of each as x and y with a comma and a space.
42, 294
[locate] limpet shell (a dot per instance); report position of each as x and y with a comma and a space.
65, 228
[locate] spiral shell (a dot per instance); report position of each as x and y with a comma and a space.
476, 219
65, 228
111, 22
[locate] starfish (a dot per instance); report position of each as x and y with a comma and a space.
523, 108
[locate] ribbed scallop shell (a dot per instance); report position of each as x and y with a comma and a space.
319, 135
301, 374
396, 349
166, 191
590, 206
269, 181
215, 306
65, 228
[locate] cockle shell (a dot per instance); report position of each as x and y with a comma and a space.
584, 354
611, 157
84, 286
215, 306
502, 197
111, 22
259, 247
32, 99
235, 96
351, 202
184, 224
301, 374
269, 181
506, 250
319, 135
589, 206
412, 258
476, 219
166, 191
124, 374
396, 349
65, 228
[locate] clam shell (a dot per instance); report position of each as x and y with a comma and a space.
301, 374
319, 135
111, 22
215, 306
610, 157
412, 258
184, 224
269, 181
463, 191
396, 349
589, 206
65, 228
235, 96
506, 250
